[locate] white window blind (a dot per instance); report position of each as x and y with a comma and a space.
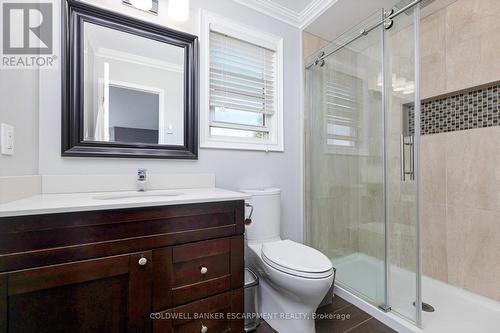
242, 88
342, 111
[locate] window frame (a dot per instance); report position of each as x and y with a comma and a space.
358, 122
275, 142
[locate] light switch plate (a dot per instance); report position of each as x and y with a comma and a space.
7, 139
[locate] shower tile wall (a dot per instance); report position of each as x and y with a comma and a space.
459, 46
474, 108
461, 209
461, 166
312, 44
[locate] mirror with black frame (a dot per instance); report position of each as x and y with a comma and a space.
129, 87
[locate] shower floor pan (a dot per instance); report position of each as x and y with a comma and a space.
456, 310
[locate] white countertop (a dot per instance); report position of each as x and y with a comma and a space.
77, 202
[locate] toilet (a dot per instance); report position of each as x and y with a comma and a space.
294, 278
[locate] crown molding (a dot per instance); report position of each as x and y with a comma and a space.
270, 8
297, 19
313, 11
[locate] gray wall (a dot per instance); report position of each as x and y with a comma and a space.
19, 108
233, 169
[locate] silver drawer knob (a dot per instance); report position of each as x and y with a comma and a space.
204, 329
203, 270
143, 261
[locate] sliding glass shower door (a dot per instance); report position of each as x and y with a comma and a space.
402, 134
362, 160
346, 161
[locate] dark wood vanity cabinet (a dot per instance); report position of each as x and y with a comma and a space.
127, 270
109, 294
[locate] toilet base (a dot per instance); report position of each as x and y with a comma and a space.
284, 314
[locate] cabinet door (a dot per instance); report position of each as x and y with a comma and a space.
111, 294
216, 314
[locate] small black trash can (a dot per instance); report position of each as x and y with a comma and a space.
251, 301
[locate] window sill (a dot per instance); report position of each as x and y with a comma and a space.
242, 146
338, 151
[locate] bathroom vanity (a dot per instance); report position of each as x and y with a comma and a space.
150, 268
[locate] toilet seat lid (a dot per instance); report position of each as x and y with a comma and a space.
296, 259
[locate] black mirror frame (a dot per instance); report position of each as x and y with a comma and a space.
75, 14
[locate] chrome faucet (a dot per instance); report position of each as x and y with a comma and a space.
141, 179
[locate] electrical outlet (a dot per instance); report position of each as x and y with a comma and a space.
7, 139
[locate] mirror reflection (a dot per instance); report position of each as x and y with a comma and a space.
134, 88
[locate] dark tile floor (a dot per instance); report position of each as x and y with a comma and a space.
358, 321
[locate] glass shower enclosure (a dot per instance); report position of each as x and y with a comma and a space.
362, 159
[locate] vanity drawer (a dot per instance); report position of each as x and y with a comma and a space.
219, 314
189, 272
202, 267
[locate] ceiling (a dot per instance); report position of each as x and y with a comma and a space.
295, 5
305, 13
344, 14
329, 18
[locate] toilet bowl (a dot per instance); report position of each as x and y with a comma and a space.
294, 278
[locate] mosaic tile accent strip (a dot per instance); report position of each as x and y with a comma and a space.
476, 108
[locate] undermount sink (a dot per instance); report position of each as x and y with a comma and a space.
138, 195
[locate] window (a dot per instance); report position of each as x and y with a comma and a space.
242, 90
343, 105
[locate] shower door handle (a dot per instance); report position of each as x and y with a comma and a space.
402, 158
412, 157
407, 143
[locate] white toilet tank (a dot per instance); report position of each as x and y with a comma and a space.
266, 214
